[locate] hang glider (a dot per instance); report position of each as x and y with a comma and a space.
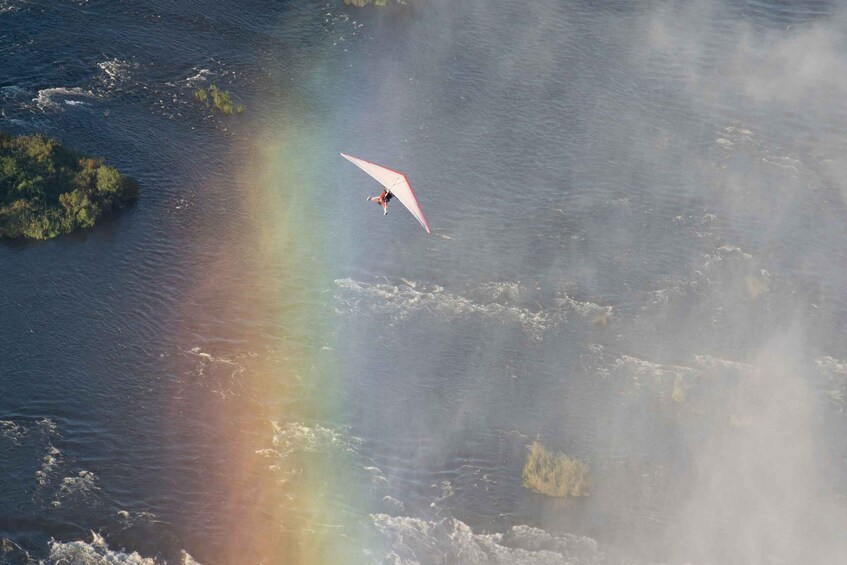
396, 183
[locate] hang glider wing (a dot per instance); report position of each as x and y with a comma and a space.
394, 182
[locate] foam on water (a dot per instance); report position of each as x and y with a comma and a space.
52, 457
412, 540
341, 27
835, 373
294, 436
500, 302
97, 552
409, 298
49, 98
49, 462
393, 503
200, 75
12, 431
94, 552
222, 374
130, 518
115, 69
637, 369
724, 270
81, 487
376, 474
117, 75
708, 362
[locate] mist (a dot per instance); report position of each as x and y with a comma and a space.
639, 257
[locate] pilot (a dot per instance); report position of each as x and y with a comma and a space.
382, 200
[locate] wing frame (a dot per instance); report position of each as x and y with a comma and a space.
396, 183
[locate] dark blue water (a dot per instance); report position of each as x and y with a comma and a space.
638, 258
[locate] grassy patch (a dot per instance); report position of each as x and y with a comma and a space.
555, 474
47, 189
217, 98
201, 95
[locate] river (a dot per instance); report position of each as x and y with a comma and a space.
638, 257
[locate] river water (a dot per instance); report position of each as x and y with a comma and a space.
638, 258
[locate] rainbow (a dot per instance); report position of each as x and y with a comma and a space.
274, 494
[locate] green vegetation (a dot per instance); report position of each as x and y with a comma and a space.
201, 95
679, 387
220, 99
602, 320
47, 190
555, 474
755, 286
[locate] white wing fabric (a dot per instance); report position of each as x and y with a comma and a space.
394, 182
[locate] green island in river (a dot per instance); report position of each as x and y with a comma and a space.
47, 189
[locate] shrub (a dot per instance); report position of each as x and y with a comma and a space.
678, 394
220, 99
47, 189
555, 474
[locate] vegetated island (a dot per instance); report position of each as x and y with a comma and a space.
217, 98
47, 189
555, 474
